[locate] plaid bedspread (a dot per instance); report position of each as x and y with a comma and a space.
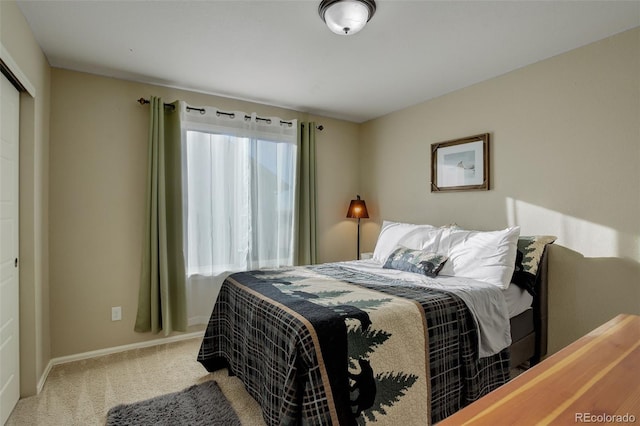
293, 347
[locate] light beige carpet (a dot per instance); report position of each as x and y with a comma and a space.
82, 392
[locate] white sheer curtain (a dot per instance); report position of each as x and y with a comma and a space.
240, 174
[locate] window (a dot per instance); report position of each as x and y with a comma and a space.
240, 196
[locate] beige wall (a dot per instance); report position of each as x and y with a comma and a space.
21, 49
565, 156
98, 172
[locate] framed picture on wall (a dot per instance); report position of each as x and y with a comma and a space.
460, 164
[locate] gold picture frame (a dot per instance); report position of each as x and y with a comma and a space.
461, 164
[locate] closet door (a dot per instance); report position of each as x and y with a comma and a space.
9, 302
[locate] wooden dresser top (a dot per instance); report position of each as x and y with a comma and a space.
596, 379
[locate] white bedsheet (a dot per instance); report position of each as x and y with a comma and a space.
487, 302
518, 300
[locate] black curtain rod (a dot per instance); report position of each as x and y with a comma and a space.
143, 101
320, 127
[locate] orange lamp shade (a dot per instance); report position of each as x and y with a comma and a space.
357, 209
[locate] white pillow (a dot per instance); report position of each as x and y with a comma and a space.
483, 256
408, 235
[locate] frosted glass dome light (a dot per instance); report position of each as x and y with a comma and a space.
346, 17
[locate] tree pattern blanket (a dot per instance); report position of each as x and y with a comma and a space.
326, 344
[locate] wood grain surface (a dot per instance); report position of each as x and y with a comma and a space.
596, 379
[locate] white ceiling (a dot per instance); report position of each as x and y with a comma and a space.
281, 53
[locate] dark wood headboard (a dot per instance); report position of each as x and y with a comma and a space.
541, 308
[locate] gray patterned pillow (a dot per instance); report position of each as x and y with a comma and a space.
416, 261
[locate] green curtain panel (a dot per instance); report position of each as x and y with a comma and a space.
162, 297
307, 246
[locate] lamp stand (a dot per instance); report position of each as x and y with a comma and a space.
358, 239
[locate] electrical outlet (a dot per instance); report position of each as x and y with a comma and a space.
116, 313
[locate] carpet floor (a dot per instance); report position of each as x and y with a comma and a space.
82, 392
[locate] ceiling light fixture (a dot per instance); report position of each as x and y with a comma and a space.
346, 17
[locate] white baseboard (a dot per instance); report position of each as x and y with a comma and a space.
43, 377
108, 351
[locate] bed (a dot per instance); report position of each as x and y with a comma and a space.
392, 339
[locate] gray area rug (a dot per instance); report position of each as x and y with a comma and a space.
202, 404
